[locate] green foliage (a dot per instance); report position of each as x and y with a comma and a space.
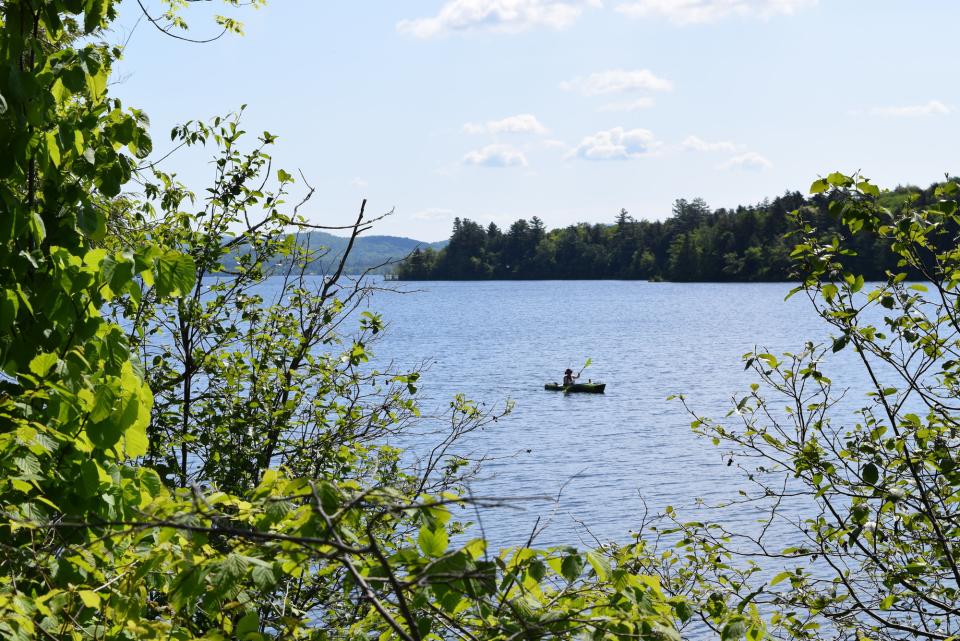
875, 556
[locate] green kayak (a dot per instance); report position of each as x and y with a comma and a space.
586, 388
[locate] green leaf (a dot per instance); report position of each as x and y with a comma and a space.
839, 180
819, 186
37, 229
90, 598
572, 567
781, 577
263, 576
188, 585
110, 179
92, 222
733, 630
104, 434
41, 364
857, 283
917, 567
78, 141
150, 481
89, 478
248, 624
600, 565
769, 359
684, 611
231, 568
664, 633
174, 274
53, 147
9, 306
94, 11
329, 497
136, 414
433, 542
424, 626
136, 442
870, 474
537, 570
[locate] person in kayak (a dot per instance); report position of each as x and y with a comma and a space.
568, 377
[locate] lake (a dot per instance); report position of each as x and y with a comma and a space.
503, 340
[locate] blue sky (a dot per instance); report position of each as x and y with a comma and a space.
563, 109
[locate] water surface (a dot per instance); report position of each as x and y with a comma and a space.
503, 340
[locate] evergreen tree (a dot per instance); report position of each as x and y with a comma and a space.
749, 243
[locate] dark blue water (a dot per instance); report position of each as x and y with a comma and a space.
612, 455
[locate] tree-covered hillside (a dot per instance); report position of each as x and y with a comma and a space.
696, 243
369, 254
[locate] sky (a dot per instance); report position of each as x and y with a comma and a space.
569, 110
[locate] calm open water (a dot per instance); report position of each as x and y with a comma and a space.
503, 340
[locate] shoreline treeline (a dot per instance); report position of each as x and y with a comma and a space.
745, 244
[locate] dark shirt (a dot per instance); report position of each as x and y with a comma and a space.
568, 379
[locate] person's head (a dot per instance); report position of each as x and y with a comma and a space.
569, 371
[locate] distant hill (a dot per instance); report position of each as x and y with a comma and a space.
368, 251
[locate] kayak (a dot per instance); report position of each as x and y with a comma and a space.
586, 388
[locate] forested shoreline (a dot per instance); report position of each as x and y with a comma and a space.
747, 244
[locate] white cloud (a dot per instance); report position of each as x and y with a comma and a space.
749, 161
358, 182
496, 156
702, 11
519, 124
616, 144
501, 16
695, 143
932, 108
633, 105
433, 213
617, 81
